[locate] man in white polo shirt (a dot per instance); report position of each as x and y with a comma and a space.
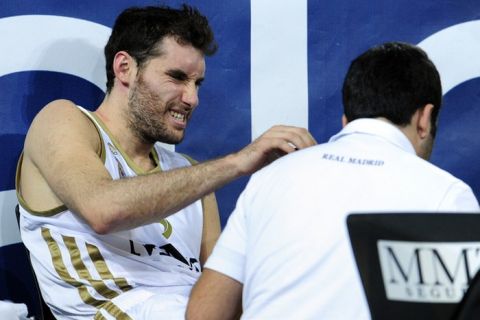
285, 252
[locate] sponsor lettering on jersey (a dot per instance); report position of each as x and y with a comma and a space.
352, 160
152, 250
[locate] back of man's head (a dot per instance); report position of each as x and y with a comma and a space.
392, 81
139, 32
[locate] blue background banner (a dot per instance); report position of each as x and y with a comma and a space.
340, 30
47, 54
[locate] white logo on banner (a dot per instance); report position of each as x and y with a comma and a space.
428, 271
54, 43
48, 43
279, 64
455, 51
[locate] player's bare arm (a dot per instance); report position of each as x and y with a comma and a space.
62, 147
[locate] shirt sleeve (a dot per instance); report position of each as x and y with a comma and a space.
459, 198
228, 256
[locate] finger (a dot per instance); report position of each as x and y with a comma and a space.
302, 137
308, 139
298, 138
303, 133
282, 145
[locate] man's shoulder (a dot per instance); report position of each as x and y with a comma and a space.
456, 194
59, 111
433, 171
434, 182
61, 118
60, 105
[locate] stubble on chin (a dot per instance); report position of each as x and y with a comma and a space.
145, 116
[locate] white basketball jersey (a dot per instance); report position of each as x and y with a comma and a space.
82, 271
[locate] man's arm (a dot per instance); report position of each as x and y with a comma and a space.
215, 296
211, 227
61, 151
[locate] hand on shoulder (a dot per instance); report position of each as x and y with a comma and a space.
279, 140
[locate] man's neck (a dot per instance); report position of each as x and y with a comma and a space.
113, 115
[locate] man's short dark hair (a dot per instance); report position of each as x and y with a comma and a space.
138, 31
392, 80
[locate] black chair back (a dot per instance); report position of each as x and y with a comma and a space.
415, 265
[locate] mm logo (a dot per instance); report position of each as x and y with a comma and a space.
428, 271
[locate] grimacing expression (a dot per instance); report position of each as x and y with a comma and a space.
165, 93
147, 115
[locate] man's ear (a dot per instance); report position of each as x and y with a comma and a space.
424, 124
124, 67
344, 120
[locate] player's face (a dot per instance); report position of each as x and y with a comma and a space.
165, 93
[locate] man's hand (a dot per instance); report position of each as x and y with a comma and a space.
274, 143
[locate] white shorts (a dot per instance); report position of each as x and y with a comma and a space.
143, 304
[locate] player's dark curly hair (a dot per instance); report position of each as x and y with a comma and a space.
138, 31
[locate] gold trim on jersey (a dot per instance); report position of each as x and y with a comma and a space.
83, 273
51, 212
112, 309
99, 316
82, 270
23, 203
131, 164
90, 116
103, 270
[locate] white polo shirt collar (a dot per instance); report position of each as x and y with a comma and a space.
377, 128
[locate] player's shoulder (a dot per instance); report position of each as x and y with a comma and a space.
62, 118
60, 113
58, 108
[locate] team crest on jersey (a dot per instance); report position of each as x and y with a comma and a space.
112, 149
168, 228
121, 171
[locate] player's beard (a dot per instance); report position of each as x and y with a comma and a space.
146, 116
